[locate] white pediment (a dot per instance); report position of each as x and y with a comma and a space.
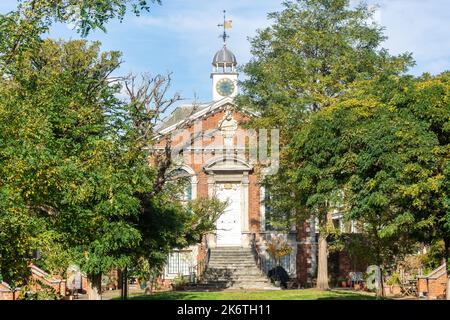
225, 103
227, 164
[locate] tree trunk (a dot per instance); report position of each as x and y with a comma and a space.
380, 287
322, 272
149, 288
95, 287
124, 281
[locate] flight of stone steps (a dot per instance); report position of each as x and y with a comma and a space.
234, 268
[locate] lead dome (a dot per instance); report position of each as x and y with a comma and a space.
224, 58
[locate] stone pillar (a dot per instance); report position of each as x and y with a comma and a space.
313, 246
194, 186
244, 198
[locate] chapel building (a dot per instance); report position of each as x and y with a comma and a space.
218, 155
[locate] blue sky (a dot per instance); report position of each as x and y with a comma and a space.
182, 36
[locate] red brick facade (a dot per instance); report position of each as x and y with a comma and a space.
303, 263
433, 286
37, 279
205, 149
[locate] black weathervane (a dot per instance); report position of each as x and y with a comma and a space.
227, 24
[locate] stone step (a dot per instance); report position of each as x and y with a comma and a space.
243, 251
231, 248
252, 271
234, 255
224, 265
237, 254
233, 260
240, 273
250, 287
231, 256
228, 283
233, 267
229, 253
222, 287
237, 279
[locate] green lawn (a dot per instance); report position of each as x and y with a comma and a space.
302, 294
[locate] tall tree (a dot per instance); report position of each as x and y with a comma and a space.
385, 145
311, 55
69, 175
75, 172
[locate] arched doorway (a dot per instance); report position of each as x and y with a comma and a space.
228, 180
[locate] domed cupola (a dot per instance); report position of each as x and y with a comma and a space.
225, 59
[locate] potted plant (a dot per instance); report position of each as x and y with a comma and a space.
342, 282
179, 282
277, 248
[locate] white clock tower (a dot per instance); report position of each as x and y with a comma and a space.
224, 75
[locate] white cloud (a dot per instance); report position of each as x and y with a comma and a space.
420, 27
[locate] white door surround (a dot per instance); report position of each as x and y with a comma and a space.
221, 175
229, 223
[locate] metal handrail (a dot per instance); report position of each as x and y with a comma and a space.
197, 272
255, 250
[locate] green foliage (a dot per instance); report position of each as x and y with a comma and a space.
21, 29
178, 226
356, 136
433, 258
393, 279
277, 247
58, 157
87, 15
75, 180
179, 282
377, 146
45, 292
313, 53
204, 213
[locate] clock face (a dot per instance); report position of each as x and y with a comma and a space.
225, 87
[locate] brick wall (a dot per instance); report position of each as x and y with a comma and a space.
433, 285
436, 287
37, 278
303, 264
210, 122
254, 204
40, 276
6, 293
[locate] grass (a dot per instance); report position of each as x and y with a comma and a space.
301, 294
